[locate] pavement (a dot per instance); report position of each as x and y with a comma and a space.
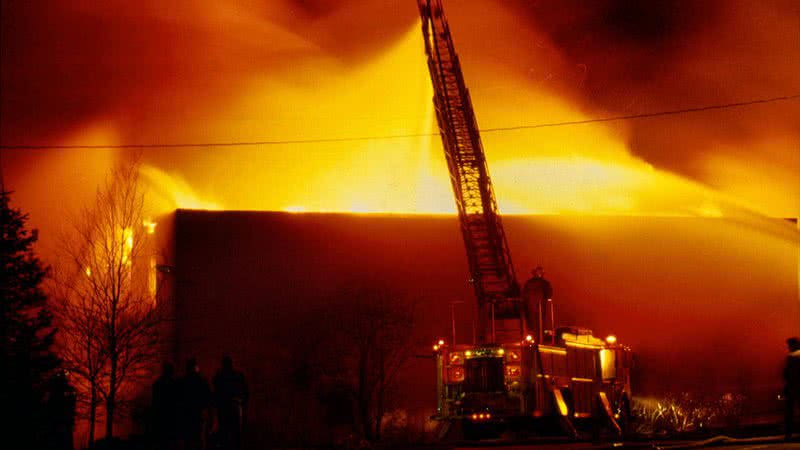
717, 442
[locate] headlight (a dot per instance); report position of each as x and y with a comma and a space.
455, 375
513, 372
512, 356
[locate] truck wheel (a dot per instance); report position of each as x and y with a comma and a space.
470, 430
477, 431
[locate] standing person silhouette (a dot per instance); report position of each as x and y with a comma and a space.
791, 378
165, 408
230, 399
537, 295
195, 398
60, 414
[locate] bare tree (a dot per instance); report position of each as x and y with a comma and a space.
378, 325
108, 309
79, 322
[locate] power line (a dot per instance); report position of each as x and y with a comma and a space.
645, 115
412, 135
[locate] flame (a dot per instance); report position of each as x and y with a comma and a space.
150, 226
390, 95
581, 185
127, 238
586, 169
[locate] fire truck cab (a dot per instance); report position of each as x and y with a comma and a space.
574, 376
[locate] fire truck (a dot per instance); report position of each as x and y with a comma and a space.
514, 371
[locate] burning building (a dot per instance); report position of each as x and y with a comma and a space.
661, 231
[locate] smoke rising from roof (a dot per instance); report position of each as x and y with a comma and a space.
210, 71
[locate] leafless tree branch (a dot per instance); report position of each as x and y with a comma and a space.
107, 312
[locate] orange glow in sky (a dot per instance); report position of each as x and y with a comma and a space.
583, 169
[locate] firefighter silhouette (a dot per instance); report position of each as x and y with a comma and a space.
230, 400
165, 408
537, 295
60, 415
194, 400
791, 378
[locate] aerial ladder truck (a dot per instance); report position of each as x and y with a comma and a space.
514, 372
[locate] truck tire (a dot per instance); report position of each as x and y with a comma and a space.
479, 431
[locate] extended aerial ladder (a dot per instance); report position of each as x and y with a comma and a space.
515, 377
492, 274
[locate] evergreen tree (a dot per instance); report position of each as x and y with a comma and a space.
27, 363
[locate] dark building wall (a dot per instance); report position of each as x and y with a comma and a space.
705, 303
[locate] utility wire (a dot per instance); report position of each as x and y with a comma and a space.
645, 115
413, 135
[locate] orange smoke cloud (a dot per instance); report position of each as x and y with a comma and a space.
247, 71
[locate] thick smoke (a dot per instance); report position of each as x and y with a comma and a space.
628, 57
67, 63
172, 72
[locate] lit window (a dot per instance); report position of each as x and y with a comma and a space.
150, 225
608, 364
152, 278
